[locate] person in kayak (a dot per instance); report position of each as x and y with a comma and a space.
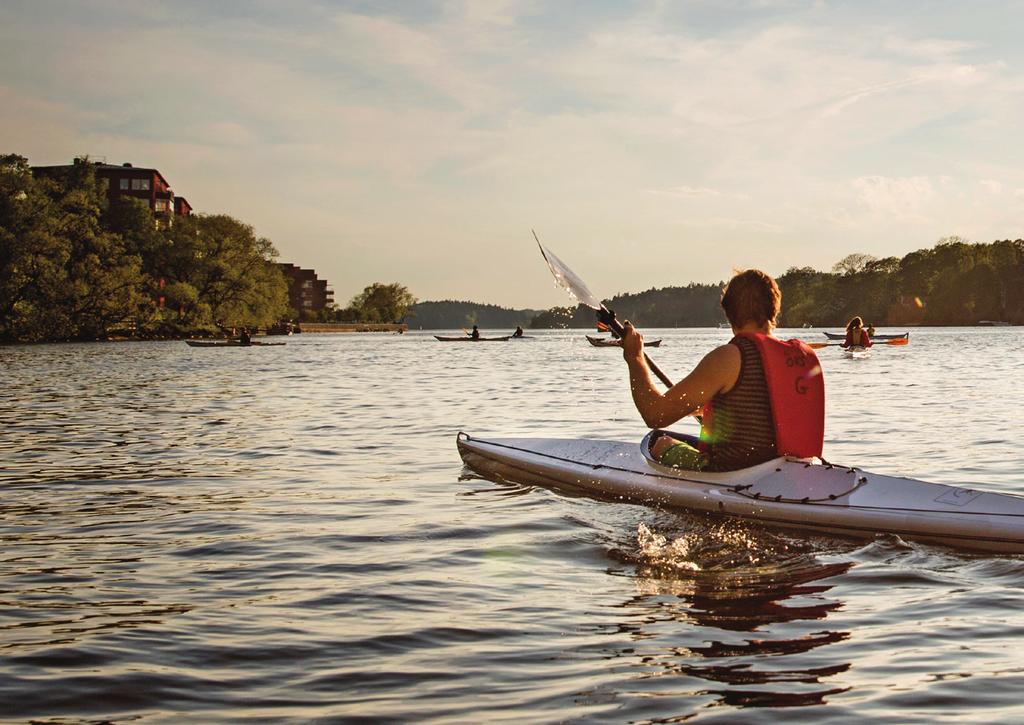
475, 334
245, 338
518, 332
856, 335
759, 397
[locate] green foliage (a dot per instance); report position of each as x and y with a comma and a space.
73, 266
66, 276
383, 302
957, 282
453, 314
230, 269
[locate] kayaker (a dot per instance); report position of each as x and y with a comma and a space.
759, 397
871, 330
856, 335
245, 338
475, 334
518, 332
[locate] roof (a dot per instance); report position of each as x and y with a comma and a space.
107, 167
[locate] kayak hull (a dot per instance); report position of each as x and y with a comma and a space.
611, 342
465, 338
842, 336
790, 493
231, 343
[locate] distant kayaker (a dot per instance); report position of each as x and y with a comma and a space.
518, 332
475, 334
245, 338
871, 330
760, 397
856, 335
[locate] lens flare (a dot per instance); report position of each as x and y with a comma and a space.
919, 302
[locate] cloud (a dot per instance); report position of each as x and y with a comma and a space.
904, 198
688, 191
345, 128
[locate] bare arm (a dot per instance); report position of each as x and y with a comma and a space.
716, 373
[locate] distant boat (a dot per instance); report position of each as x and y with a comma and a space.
842, 336
611, 342
994, 323
231, 343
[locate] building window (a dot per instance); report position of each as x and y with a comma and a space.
125, 183
140, 184
161, 205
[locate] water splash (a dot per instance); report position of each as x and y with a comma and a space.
659, 551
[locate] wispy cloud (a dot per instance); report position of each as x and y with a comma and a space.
399, 140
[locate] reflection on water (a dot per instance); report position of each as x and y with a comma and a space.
732, 577
283, 534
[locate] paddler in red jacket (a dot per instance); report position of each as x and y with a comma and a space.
856, 335
760, 397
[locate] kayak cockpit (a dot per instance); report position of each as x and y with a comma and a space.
794, 480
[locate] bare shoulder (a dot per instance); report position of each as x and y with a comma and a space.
723, 355
722, 366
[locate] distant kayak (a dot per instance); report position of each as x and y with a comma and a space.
467, 338
231, 343
842, 336
612, 342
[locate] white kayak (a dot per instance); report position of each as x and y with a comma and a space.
795, 493
856, 352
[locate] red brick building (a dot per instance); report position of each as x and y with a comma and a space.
306, 292
149, 185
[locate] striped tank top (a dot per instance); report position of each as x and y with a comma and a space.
742, 431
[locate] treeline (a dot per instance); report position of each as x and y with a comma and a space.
695, 305
956, 282
452, 314
75, 266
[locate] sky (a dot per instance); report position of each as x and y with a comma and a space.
648, 143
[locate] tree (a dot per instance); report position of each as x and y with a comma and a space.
383, 302
852, 263
65, 274
230, 269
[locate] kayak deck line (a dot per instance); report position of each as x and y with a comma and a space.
833, 500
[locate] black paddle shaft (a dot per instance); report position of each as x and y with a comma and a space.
608, 317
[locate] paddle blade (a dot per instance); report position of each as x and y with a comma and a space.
817, 345
601, 327
897, 341
567, 279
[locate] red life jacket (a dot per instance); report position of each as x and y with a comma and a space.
796, 390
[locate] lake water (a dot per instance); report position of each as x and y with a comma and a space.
287, 534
